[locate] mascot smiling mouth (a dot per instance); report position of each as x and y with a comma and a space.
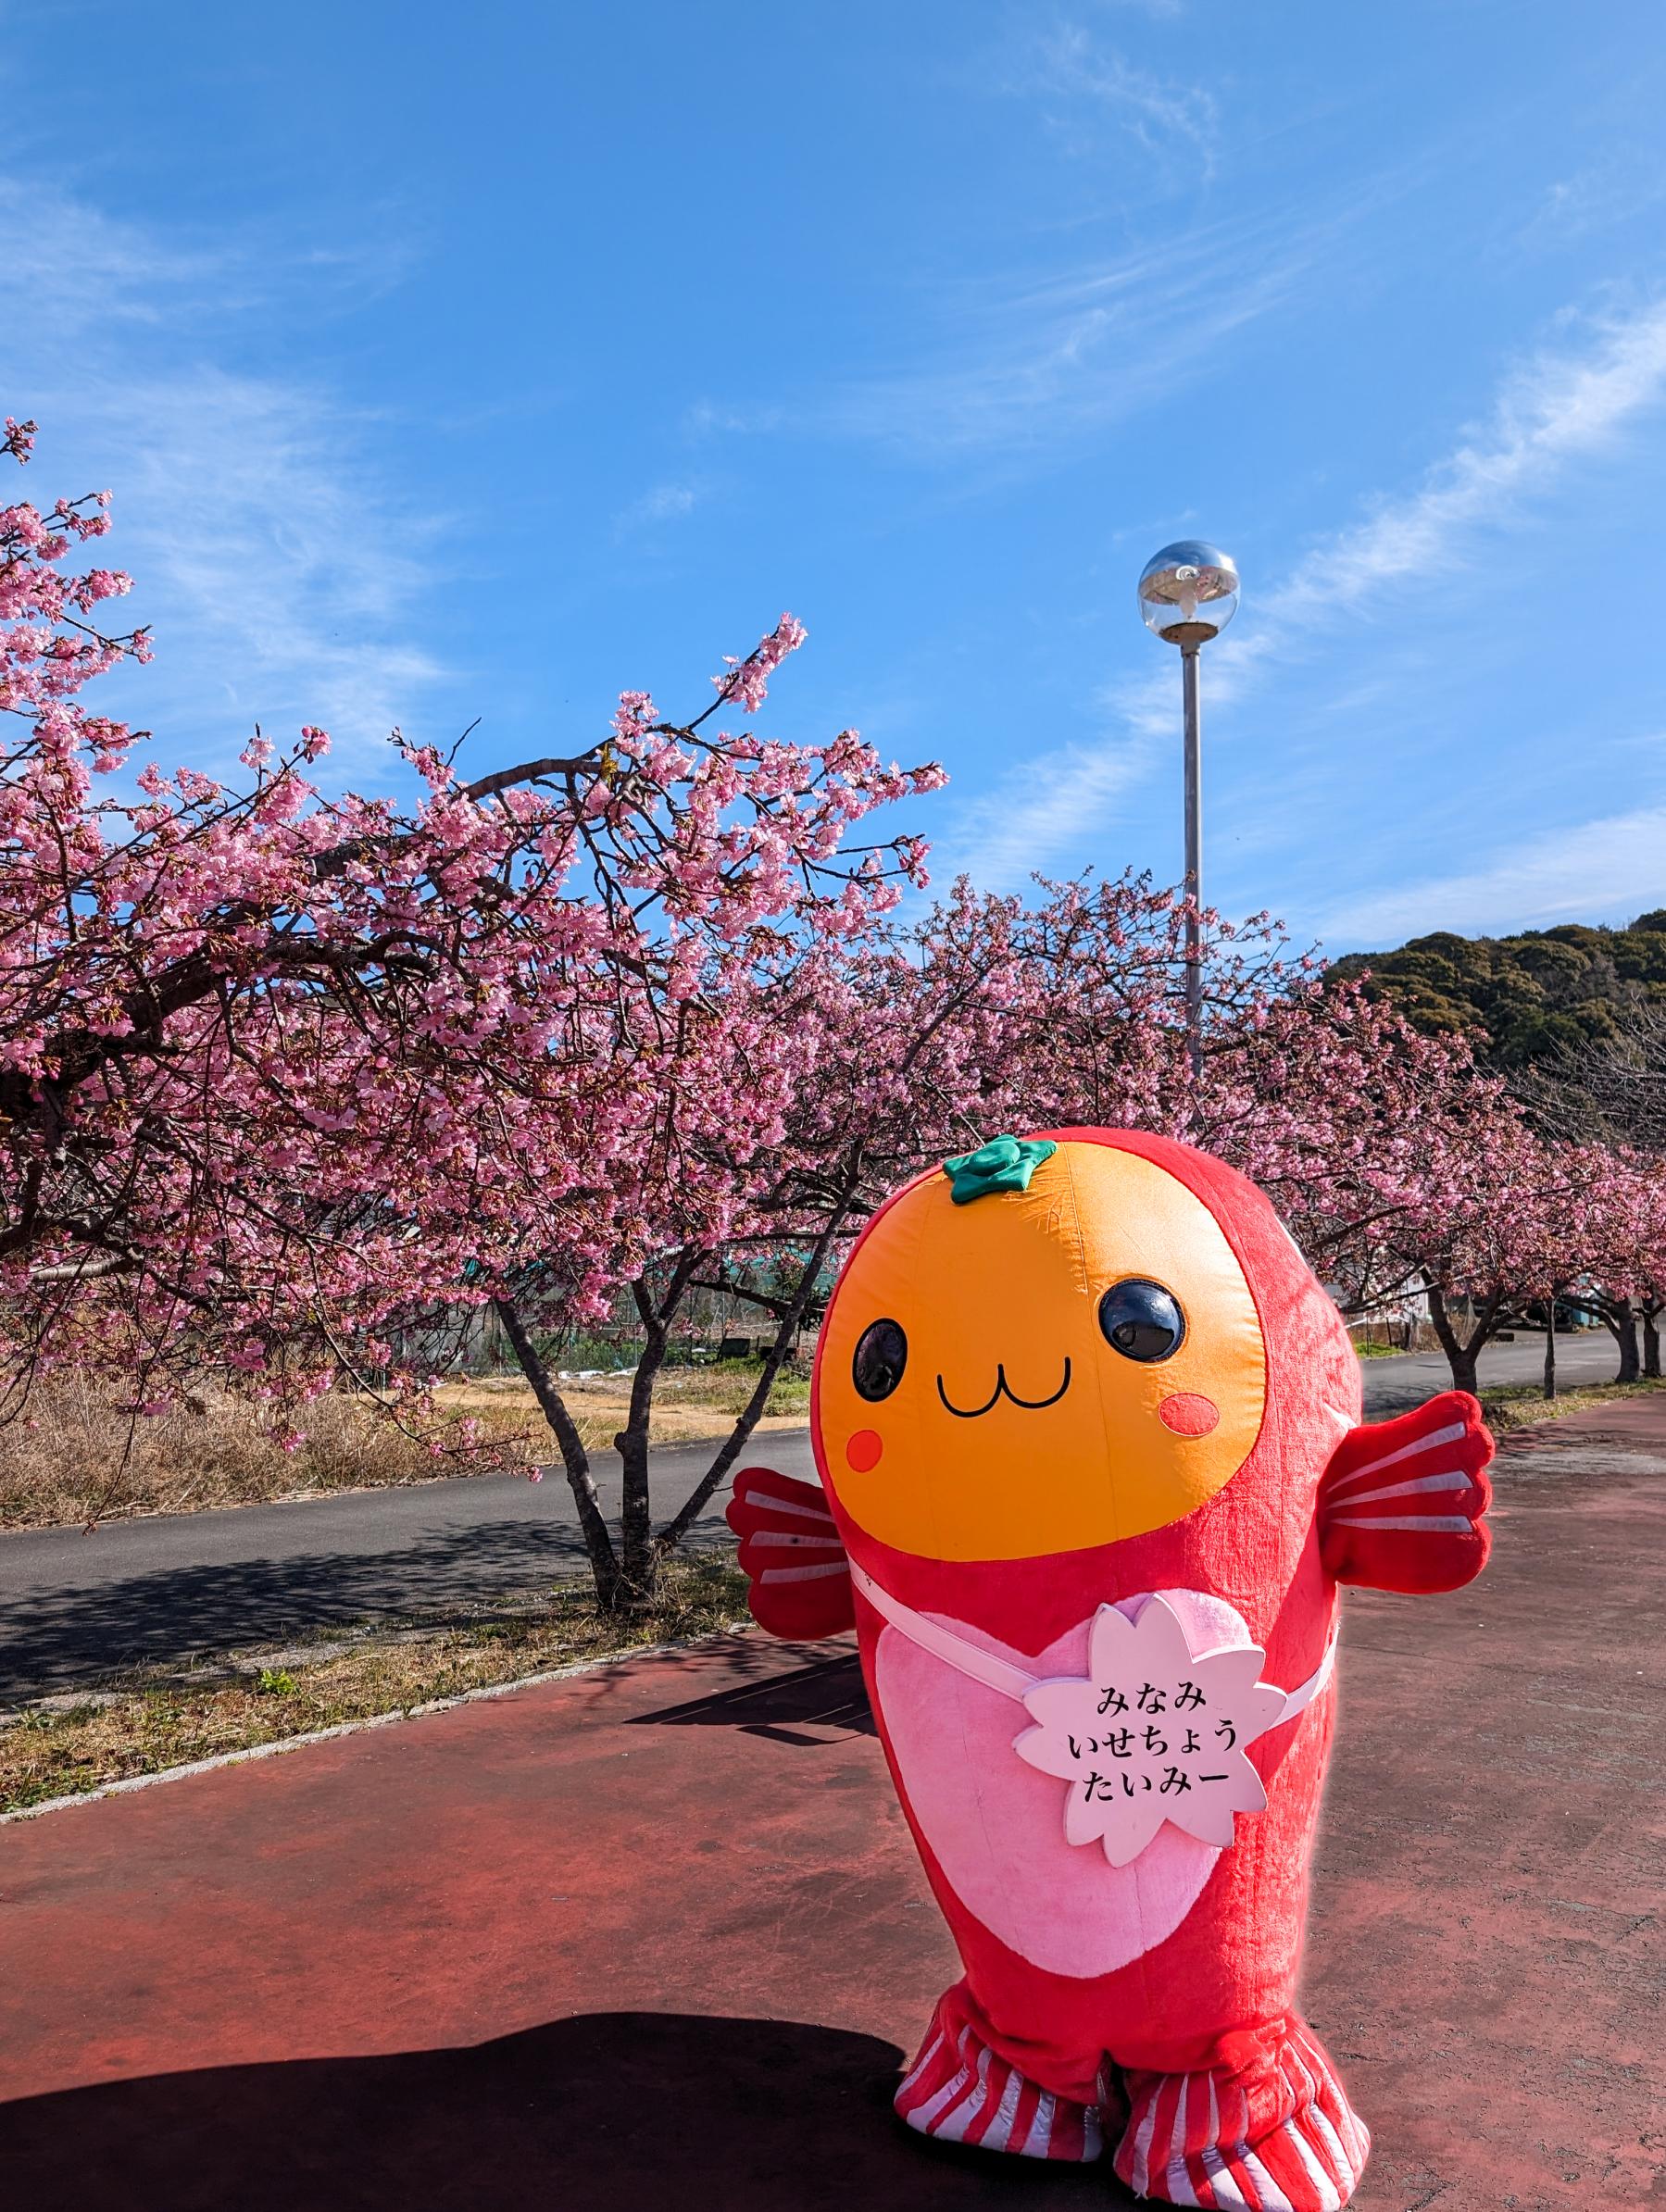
1003, 1388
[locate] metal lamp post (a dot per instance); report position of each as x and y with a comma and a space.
1189, 594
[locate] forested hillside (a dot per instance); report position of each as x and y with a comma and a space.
1534, 994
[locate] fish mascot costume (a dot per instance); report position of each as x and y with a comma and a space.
1093, 1469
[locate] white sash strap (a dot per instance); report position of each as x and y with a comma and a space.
1001, 1675
943, 1643
1297, 1700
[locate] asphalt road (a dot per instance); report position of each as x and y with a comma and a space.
74, 1608
1396, 1385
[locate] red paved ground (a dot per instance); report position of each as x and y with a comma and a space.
656, 1936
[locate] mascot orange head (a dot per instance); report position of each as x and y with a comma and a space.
1052, 1344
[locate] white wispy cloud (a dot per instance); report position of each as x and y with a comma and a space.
1565, 405
282, 572
1611, 190
1616, 865
283, 585
1018, 367
75, 266
1161, 114
999, 366
1051, 805
660, 503
1574, 402
1001, 838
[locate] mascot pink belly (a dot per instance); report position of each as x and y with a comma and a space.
1092, 1472
992, 1820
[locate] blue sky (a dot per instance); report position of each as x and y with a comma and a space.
480, 363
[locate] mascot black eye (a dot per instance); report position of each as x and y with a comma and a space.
882, 1353
1141, 1320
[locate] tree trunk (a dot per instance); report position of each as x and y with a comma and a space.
786, 1329
1460, 1353
1550, 1348
635, 1522
1624, 1324
639, 1553
598, 1544
1651, 1341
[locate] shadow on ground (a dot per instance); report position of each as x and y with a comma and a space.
594, 2113
79, 1635
815, 1704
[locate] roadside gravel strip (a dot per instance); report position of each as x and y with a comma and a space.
353, 1727
181, 1718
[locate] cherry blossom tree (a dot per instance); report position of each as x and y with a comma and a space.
1620, 1250
278, 1067
1604, 1107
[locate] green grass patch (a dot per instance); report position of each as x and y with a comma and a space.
1524, 1404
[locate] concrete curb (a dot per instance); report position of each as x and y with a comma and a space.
359, 1728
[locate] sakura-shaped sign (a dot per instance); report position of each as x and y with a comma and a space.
1155, 1731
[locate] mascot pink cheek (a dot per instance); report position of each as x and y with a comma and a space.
1188, 1413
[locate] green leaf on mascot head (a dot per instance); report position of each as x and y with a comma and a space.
1004, 1163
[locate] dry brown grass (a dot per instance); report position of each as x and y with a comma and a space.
57, 1749
691, 1405
76, 1457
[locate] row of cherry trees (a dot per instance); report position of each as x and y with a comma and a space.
286, 1079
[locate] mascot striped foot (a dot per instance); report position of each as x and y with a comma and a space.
960, 2091
1280, 2136
1273, 2133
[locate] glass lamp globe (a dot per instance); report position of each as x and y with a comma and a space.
1188, 592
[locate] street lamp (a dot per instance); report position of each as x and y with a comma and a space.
1189, 594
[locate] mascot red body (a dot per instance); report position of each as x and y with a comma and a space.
1093, 1469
